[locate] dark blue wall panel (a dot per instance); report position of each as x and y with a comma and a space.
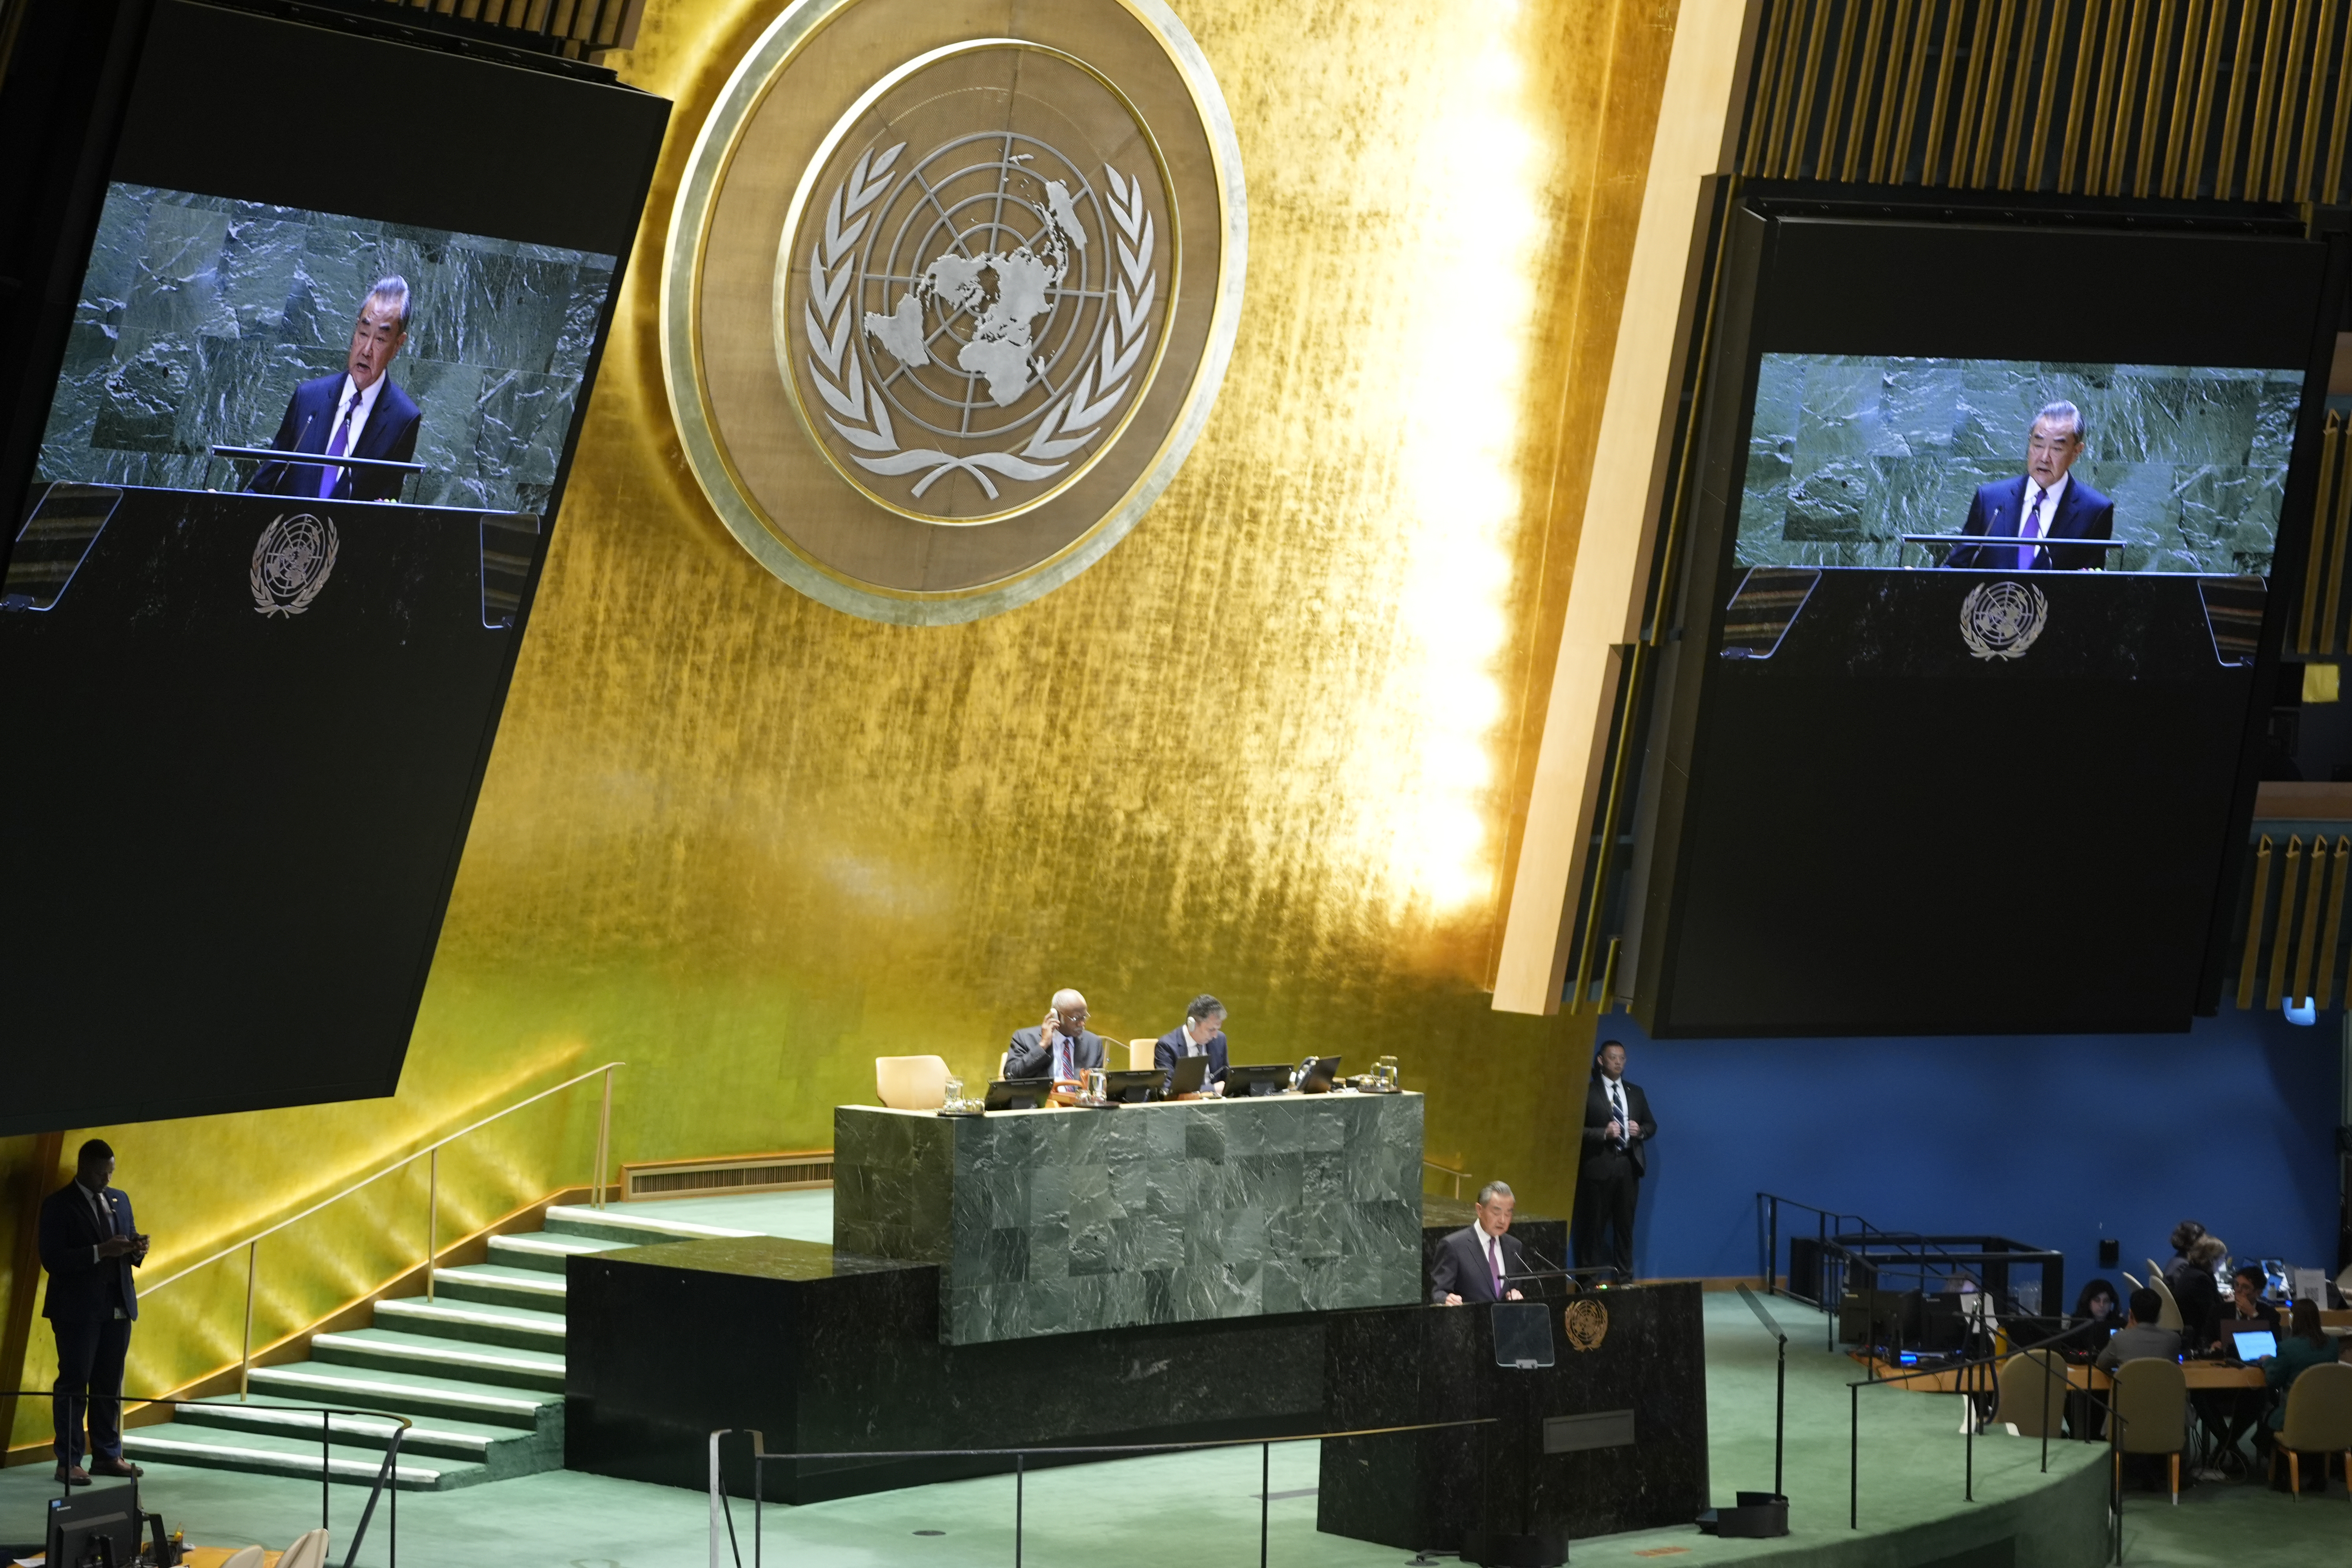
2052, 1140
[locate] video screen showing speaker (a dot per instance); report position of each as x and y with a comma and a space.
310, 410
1996, 513
1892, 460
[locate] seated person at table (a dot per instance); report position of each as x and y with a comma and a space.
1202, 1034
1474, 1262
2307, 1345
2246, 1304
2140, 1337
2234, 1412
1060, 1048
2098, 1307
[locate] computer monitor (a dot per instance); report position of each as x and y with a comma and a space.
1320, 1075
95, 1530
2252, 1344
1190, 1074
1130, 1086
1247, 1082
1018, 1093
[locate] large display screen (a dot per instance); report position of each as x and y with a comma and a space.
1868, 460
210, 321
315, 381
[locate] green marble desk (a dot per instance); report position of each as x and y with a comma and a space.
1064, 1221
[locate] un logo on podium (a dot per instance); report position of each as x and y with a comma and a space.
291, 561
2000, 620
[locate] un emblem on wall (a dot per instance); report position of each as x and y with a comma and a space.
291, 561
936, 337
2000, 620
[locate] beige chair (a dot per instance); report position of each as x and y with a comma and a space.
911, 1083
308, 1551
245, 1557
2170, 1317
1139, 1055
2319, 1421
2152, 1398
2033, 1393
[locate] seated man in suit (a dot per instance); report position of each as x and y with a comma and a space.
2046, 503
2140, 1337
356, 412
1202, 1034
1060, 1048
1476, 1262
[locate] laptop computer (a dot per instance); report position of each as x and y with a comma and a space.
1190, 1074
1130, 1086
1018, 1093
2251, 1340
1320, 1075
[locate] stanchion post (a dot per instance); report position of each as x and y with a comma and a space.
604, 1139
431, 1216
1020, 1462
1853, 1458
326, 1464
1265, 1493
245, 1357
1969, 1424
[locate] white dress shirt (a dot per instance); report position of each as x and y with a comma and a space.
359, 419
2048, 510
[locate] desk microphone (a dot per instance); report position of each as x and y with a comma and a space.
299, 435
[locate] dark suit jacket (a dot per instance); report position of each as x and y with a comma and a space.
1461, 1267
1598, 1115
81, 1291
1170, 1049
1030, 1058
310, 424
2083, 513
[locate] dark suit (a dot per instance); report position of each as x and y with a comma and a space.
1461, 1269
92, 1303
309, 426
1610, 1181
2081, 513
1174, 1047
1028, 1056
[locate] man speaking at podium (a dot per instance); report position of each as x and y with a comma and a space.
2047, 503
357, 413
1477, 1262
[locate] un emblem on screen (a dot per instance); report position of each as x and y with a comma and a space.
291, 561
2000, 620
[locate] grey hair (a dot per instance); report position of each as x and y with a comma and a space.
2061, 412
1206, 1007
393, 289
1493, 1190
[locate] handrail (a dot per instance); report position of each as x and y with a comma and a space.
1459, 1176
400, 1165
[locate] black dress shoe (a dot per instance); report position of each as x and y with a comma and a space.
73, 1475
120, 1467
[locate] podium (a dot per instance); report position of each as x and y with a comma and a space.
1610, 1436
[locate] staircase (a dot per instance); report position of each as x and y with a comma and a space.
478, 1369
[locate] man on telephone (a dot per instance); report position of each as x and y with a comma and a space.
1059, 1048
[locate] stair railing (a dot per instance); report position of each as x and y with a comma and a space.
431, 1155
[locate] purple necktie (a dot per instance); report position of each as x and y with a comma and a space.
1062, 1058
2029, 527
1495, 1264
336, 447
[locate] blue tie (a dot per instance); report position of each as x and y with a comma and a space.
2029, 527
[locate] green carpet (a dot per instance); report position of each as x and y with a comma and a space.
803, 1216
1185, 1511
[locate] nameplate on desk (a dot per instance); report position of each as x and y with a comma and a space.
1597, 1429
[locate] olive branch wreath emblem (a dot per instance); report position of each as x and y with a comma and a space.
862, 414
2000, 620
265, 599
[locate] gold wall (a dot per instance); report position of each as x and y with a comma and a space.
1274, 746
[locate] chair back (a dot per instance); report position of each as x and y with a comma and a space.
245, 1557
309, 1551
2152, 1397
2319, 1411
2170, 1317
911, 1083
1139, 1055
2032, 1392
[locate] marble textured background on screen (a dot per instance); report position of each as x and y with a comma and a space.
199, 314
1846, 454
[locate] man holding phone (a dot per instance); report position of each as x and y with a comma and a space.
89, 1244
1059, 1048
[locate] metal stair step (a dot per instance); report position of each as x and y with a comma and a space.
266, 1453
387, 1351
544, 1252
408, 1393
475, 1322
437, 1435
634, 1230
541, 1290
